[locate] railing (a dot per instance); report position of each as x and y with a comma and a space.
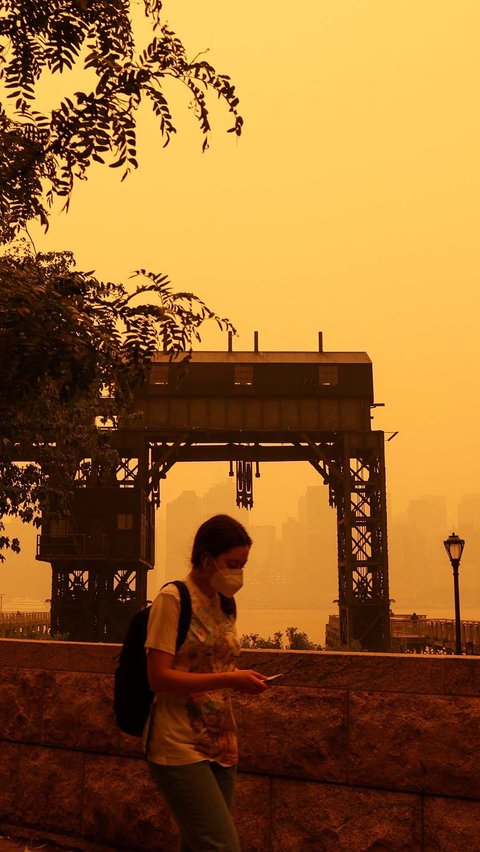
419, 633
122, 544
27, 625
72, 545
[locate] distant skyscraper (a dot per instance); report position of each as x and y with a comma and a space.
308, 552
264, 553
417, 571
469, 515
220, 500
262, 575
429, 514
290, 558
321, 568
469, 529
183, 517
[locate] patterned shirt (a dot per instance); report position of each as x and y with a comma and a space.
200, 726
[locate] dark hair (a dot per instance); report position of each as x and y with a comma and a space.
216, 536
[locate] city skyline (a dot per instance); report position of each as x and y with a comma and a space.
419, 573
418, 567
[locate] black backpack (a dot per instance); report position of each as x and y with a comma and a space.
132, 697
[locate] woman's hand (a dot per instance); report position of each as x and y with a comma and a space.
164, 678
247, 680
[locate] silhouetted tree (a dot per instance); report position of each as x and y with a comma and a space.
254, 640
66, 337
74, 350
41, 155
296, 641
299, 641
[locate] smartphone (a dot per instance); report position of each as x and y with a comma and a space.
272, 677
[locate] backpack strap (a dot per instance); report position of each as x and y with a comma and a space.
183, 625
185, 611
228, 606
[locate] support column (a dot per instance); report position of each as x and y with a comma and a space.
360, 499
102, 553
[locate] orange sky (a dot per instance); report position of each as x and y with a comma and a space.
350, 205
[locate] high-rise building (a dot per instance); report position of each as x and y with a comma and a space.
417, 556
469, 516
469, 529
320, 570
308, 552
262, 577
290, 559
183, 517
220, 500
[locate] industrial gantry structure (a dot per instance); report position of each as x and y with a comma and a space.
244, 408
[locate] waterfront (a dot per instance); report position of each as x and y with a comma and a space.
266, 622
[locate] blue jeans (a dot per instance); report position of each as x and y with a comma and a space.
199, 796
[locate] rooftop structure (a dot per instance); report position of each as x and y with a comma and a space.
244, 408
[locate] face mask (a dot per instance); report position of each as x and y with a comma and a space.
227, 581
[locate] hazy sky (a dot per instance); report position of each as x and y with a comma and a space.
350, 205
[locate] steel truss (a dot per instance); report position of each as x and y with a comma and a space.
94, 602
353, 467
99, 576
100, 579
358, 493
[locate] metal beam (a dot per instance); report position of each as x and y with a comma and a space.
236, 452
162, 461
323, 461
160, 435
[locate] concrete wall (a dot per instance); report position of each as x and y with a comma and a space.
347, 752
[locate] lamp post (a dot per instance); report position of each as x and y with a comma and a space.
454, 547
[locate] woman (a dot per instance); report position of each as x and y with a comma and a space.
191, 742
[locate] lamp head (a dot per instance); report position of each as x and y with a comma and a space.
454, 546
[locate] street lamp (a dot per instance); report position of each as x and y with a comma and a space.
454, 547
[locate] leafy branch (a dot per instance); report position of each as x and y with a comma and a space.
77, 349
43, 155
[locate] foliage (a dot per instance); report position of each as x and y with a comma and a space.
299, 641
76, 348
49, 151
69, 339
254, 640
296, 641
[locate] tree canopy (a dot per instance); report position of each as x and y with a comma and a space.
74, 349
296, 640
43, 154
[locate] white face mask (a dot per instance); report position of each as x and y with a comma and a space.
227, 581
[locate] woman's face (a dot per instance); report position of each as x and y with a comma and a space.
237, 557
231, 560
227, 564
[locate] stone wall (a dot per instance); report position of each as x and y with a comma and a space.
346, 752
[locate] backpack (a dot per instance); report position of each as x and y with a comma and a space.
132, 697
